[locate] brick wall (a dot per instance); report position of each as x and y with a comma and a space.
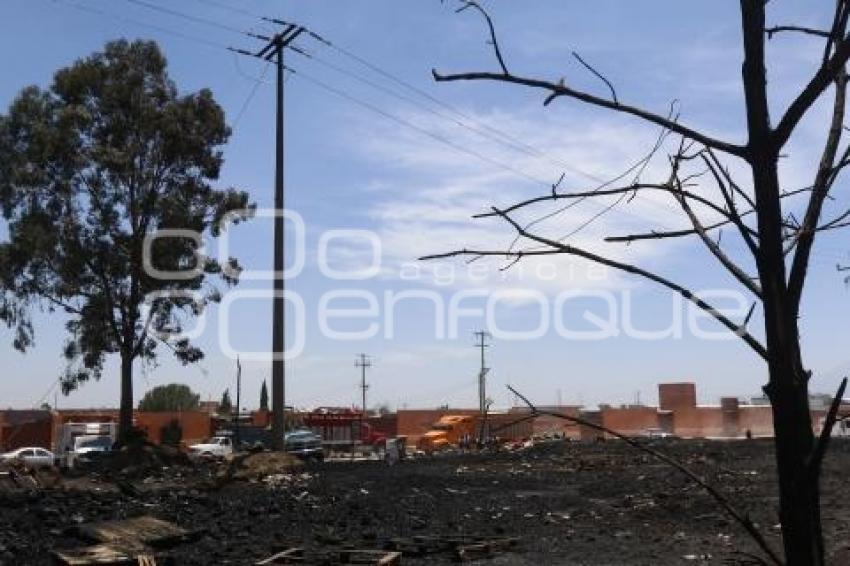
698, 422
587, 433
758, 419
21, 434
547, 425
631, 421
672, 396
196, 425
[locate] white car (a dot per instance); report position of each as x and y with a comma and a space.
33, 457
217, 447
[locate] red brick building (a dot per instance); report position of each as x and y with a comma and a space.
43, 428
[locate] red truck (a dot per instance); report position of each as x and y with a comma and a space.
345, 428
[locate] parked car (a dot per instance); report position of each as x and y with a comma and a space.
305, 444
249, 436
216, 447
33, 457
659, 433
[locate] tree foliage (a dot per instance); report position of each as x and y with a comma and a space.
171, 397
264, 397
225, 406
90, 169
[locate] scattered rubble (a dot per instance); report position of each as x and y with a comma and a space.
556, 502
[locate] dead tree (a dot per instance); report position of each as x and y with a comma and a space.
777, 244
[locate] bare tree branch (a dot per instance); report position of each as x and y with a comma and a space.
493, 40
666, 187
816, 459
797, 29
734, 216
824, 178
660, 235
825, 76
599, 76
560, 89
716, 251
561, 248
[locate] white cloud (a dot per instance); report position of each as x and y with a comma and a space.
425, 203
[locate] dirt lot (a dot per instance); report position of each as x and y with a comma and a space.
566, 503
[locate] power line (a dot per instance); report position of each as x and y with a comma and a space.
495, 134
482, 131
124, 19
419, 129
442, 139
230, 8
192, 18
347, 96
499, 136
257, 82
478, 131
507, 138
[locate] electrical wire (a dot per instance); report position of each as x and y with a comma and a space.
415, 127
505, 137
124, 19
528, 150
459, 122
257, 82
190, 17
483, 130
232, 9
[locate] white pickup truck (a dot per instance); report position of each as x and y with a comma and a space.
216, 447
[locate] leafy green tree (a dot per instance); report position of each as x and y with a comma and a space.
90, 169
225, 406
171, 397
264, 397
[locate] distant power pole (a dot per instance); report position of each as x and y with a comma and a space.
363, 362
238, 398
482, 336
273, 51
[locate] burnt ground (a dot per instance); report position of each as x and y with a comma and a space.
568, 503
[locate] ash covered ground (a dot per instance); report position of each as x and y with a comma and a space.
557, 503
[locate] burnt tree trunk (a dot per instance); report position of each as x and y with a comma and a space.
787, 388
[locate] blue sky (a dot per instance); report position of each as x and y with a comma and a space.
350, 167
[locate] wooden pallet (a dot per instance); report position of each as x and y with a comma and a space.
102, 555
126, 541
145, 530
298, 556
463, 547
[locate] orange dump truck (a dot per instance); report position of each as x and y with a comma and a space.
449, 431
452, 430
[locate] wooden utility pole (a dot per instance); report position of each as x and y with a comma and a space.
273, 51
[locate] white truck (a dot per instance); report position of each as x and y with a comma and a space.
80, 440
216, 447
